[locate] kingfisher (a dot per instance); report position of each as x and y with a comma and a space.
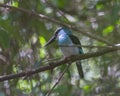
64, 36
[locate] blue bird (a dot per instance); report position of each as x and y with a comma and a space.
64, 36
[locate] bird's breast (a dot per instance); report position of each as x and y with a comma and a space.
67, 50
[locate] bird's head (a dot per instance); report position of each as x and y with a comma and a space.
61, 30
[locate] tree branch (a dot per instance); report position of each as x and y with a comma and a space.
54, 64
85, 46
44, 17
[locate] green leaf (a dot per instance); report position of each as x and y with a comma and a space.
42, 42
24, 85
15, 3
108, 30
99, 6
86, 87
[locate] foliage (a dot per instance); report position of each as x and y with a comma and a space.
22, 37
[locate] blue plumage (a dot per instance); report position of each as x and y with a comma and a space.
64, 37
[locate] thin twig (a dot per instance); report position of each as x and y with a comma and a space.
46, 18
48, 94
86, 46
58, 10
73, 27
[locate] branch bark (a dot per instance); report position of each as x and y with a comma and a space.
54, 64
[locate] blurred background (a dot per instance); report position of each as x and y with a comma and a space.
23, 35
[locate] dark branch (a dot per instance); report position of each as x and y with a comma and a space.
52, 65
44, 17
50, 91
86, 46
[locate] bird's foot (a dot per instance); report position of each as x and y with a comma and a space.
67, 58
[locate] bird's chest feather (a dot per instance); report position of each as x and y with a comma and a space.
67, 51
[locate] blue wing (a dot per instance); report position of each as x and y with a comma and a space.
75, 40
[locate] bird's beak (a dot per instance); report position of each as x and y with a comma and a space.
50, 41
